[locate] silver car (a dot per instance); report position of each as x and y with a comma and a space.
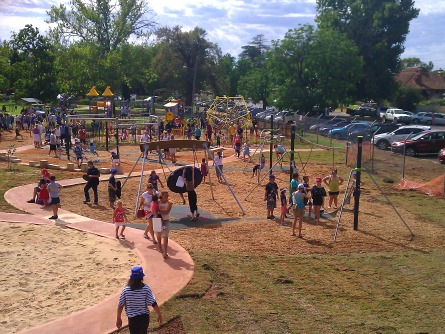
427, 118
384, 140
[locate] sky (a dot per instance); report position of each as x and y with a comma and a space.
234, 23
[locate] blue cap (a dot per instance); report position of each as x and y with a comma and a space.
271, 176
137, 272
113, 170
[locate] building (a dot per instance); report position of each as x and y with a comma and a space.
430, 84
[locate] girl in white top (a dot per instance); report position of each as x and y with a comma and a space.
145, 203
218, 160
165, 207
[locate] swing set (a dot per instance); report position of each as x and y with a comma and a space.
170, 144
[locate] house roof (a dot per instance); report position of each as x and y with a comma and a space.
418, 78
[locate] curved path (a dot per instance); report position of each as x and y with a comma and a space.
165, 277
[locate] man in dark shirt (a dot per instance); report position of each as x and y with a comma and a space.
93, 181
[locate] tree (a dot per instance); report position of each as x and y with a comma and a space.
379, 29
294, 86
254, 81
185, 58
32, 64
416, 62
107, 24
334, 60
5, 83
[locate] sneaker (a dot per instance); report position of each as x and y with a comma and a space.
31, 201
86, 202
53, 217
272, 217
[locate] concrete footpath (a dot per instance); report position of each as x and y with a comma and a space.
165, 277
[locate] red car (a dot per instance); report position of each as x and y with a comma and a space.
441, 156
431, 141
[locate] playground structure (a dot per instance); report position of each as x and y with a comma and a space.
225, 111
184, 144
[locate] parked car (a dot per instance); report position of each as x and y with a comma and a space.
378, 128
337, 124
427, 118
383, 141
363, 110
396, 115
431, 141
441, 156
347, 130
268, 117
415, 118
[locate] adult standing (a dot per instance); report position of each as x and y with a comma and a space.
145, 204
136, 297
92, 183
189, 179
218, 161
333, 181
209, 131
36, 136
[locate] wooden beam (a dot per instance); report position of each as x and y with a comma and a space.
181, 143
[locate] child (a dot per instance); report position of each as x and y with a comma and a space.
237, 146
165, 207
153, 179
115, 160
318, 192
224, 139
37, 190
270, 196
218, 139
46, 175
256, 168
172, 151
307, 201
78, 152
93, 148
246, 151
124, 135
283, 202
119, 219
298, 201
204, 169
17, 133
54, 189
43, 196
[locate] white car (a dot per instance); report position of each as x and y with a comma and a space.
384, 140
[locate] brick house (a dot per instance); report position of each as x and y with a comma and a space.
430, 84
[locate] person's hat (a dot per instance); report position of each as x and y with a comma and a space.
355, 174
113, 153
282, 189
301, 186
271, 176
113, 170
150, 185
318, 179
137, 272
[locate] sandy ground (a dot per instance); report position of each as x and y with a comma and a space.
380, 229
49, 272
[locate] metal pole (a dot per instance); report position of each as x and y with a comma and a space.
404, 156
194, 85
357, 181
140, 180
106, 136
117, 135
208, 173
271, 142
292, 151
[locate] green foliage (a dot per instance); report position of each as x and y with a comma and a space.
407, 99
32, 65
379, 29
107, 25
416, 62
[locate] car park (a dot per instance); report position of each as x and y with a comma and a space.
441, 156
431, 141
430, 119
415, 118
346, 131
324, 130
383, 141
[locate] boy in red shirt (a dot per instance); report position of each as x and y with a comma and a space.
119, 219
